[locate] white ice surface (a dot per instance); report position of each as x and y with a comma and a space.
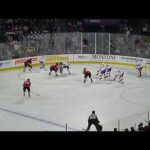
66, 99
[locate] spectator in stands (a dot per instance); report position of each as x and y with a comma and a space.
126, 130
140, 127
115, 130
74, 25
130, 29
127, 33
124, 28
147, 127
121, 28
132, 129
145, 29
79, 26
112, 46
85, 43
67, 44
102, 27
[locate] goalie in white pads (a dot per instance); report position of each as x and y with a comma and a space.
119, 75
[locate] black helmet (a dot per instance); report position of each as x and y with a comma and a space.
28, 80
93, 112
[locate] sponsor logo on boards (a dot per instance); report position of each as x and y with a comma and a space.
20, 61
108, 57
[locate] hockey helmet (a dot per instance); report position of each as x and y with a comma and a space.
93, 112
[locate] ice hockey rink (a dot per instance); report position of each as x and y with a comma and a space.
67, 100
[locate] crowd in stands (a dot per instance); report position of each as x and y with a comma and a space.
19, 27
21, 35
126, 27
141, 128
74, 25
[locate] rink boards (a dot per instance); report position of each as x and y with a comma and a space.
76, 59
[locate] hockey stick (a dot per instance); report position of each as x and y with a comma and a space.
44, 69
35, 70
109, 82
35, 93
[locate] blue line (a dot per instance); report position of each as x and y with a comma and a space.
38, 119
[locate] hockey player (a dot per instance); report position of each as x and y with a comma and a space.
94, 120
62, 66
139, 68
87, 74
26, 86
108, 71
119, 75
54, 68
42, 62
101, 67
28, 63
101, 72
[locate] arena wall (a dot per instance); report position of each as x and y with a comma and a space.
76, 59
